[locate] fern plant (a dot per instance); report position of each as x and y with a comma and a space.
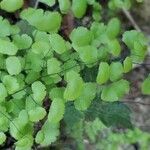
80, 77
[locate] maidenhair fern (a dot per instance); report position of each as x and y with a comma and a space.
48, 78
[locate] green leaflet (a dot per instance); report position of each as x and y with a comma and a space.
137, 43
115, 91
127, 64
34, 62
16, 106
25, 27
113, 28
3, 93
41, 36
20, 126
133, 36
21, 130
58, 43
85, 99
71, 65
79, 8
103, 73
11, 84
139, 1
11, 6
2, 61
7, 47
19, 95
114, 47
41, 48
39, 91
56, 111
115, 4
48, 22
96, 11
24, 143
90, 2
81, 36
37, 114
22, 42
47, 134
146, 86
88, 54
49, 2
74, 87
116, 71
24, 116
53, 66
5, 27
56, 92
51, 79
64, 6
40, 137
30, 104
32, 76
98, 29
13, 65
2, 138
4, 122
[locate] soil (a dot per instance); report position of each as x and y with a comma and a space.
142, 15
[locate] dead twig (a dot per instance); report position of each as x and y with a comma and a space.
131, 19
36, 3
